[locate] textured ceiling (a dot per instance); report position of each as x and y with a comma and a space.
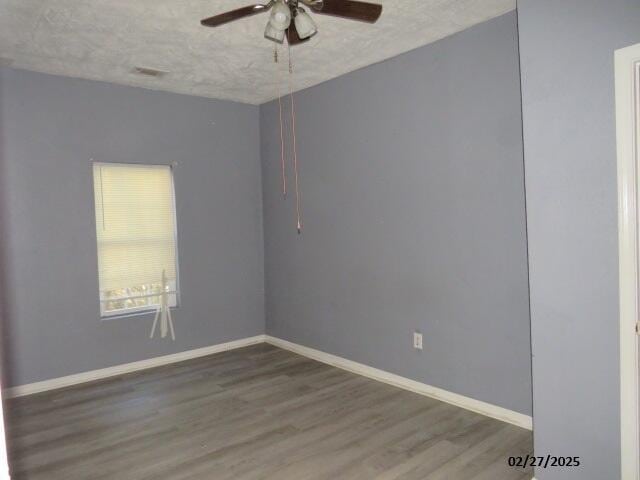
106, 39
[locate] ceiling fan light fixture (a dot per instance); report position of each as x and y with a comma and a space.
273, 33
304, 24
289, 19
280, 16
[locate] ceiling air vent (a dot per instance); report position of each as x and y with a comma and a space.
149, 72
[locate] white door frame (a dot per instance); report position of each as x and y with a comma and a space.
4, 464
627, 72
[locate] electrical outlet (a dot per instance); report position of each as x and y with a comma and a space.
417, 340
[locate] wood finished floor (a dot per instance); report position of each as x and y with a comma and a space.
254, 413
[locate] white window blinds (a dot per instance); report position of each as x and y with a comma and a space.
136, 232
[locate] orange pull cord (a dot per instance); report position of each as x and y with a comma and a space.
278, 79
293, 131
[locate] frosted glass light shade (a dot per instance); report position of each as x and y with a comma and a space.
280, 16
304, 24
274, 34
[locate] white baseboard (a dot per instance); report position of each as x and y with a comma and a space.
90, 376
468, 403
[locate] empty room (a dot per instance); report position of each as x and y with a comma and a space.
319, 240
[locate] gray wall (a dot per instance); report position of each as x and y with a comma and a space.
570, 160
413, 202
52, 127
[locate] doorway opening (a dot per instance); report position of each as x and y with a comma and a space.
627, 73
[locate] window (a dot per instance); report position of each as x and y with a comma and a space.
136, 232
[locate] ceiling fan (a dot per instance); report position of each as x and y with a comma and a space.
290, 19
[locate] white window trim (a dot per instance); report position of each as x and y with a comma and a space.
627, 66
145, 310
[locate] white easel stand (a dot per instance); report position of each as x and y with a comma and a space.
163, 313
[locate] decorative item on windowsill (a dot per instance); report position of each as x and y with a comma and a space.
163, 314
289, 20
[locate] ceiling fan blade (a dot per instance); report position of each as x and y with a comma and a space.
351, 9
292, 35
234, 15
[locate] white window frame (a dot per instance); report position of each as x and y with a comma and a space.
627, 76
175, 293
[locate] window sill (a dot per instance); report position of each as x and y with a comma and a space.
136, 313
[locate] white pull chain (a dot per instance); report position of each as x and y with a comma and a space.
293, 131
278, 79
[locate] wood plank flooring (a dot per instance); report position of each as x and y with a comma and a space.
254, 413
